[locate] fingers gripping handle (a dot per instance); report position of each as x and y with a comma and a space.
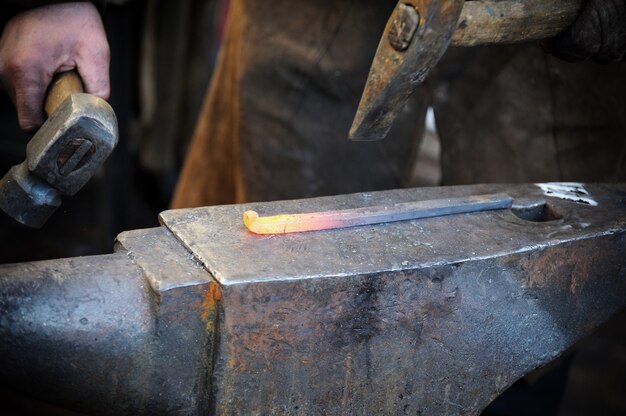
62, 86
80, 133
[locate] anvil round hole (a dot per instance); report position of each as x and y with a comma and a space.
537, 213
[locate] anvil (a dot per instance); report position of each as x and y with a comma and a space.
430, 316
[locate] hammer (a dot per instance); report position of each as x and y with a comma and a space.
79, 134
419, 32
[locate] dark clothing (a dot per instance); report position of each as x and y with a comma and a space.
599, 33
517, 114
275, 121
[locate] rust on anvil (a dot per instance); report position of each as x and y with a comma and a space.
378, 214
400, 64
209, 306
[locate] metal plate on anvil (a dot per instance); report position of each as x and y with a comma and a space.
220, 241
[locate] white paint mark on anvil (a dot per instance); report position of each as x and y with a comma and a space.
571, 191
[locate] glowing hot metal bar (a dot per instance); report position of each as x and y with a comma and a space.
316, 221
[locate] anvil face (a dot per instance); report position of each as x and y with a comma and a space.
431, 316
218, 238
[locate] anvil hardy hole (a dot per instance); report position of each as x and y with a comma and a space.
537, 213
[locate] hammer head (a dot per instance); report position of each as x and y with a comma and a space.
73, 143
415, 38
61, 157
26, 198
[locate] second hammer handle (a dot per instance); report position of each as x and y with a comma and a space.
62, 86
485, 22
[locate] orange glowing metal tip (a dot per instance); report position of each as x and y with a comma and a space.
317, 221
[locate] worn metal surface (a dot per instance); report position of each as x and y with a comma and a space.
430, 316
434, 316
121, 334
81, 116
27, 198
61, 158
405, 57
396, 72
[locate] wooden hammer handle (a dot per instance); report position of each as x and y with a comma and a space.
62, 86
485, 22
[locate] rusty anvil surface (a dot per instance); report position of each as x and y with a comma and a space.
432, 316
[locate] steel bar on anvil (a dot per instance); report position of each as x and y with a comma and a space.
432, 316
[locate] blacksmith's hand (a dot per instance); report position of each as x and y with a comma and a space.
40, 42
599, 34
